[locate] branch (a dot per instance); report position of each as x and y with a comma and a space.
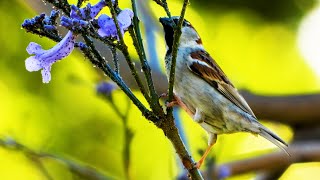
300, 152
85, 172
128, 133
142, 56
171, 131
176, 41
169, 128
164, 4
125, 52
272, 174
116, 78
302, 109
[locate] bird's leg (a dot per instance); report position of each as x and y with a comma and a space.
177, 101
212, 140
169, 104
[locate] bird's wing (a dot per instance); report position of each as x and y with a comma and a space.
206, 68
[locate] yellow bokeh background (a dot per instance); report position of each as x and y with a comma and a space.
68, 119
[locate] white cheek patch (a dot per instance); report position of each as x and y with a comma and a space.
189, 37
192, 61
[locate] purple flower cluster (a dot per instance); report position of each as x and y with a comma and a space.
42, 22
79, 19
87, 13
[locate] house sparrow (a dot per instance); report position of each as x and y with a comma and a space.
203, 90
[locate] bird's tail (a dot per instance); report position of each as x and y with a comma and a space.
276, 140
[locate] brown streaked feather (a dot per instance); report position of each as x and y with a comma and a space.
199, 41
207, 69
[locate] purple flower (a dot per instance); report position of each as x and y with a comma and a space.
105, 88
43, 59
224, 172
108, 27
87, 13
73, 24
79, 17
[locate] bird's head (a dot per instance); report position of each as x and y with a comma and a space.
189, 36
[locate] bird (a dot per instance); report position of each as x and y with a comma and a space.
204, 91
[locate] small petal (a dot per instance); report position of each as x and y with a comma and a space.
103, 19
32, 64
28, 22
125, 18
81, 23
54, 14
66, 22
34, 48
107, 26
49, 27
75, 11
46, 75
82, 46
94, 10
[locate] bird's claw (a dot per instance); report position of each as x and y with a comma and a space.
171, 104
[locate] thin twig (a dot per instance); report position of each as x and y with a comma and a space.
80, 3
128, 134
164, 4
176, 39
115, 60
85, 172
144, 63
148, 17
40, 166
125, 52
61, 4
116, 78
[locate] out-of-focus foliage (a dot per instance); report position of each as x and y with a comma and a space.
67, 118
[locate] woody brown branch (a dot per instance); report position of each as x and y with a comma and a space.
300, 152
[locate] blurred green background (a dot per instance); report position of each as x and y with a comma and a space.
261, 45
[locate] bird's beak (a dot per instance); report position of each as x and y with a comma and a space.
165, 21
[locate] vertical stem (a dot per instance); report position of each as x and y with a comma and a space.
125, 52
128, 135
144, 63
115, 60
126, 152
169, 128
172, 134
165, 6
176, 39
